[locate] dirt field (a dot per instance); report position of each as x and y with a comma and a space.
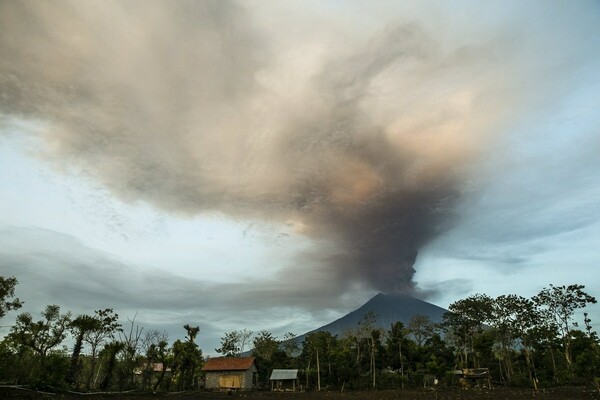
570, 393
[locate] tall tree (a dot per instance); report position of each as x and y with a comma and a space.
105, 328
162, 357
80, 326
150, 348
110, 352
43, 335
234, 342
516, 318
317, 350
396, 342
132, 341
265, 344
187, 357
560, 303
7, 294
230, 344
290, 344
367, 330
421, 328
465, 322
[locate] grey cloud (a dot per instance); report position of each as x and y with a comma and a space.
53, 268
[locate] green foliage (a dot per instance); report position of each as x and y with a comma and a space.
7, 292
269, 355
558, 304
464, 323
230, 344
522, 341
421, 328
43, 335
187, 359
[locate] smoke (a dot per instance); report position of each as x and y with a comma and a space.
364, 145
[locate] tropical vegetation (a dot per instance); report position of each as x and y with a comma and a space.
534, 342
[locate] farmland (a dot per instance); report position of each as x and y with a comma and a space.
454, 393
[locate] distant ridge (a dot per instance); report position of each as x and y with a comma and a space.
388, 308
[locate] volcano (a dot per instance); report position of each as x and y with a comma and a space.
388, 308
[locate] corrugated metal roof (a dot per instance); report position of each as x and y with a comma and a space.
228, 364
283, 374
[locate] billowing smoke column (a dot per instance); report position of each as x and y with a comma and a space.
196, 107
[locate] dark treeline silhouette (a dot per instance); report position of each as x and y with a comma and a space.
529, 342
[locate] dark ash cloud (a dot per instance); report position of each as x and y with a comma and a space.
189, 106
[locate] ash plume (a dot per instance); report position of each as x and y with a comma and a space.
365, 146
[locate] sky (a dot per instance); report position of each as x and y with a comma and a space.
272, 165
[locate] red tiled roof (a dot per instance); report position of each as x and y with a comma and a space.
228, 364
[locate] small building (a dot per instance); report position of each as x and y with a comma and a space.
284, 380
150, 373
230, 373
476, 375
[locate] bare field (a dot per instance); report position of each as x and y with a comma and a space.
565, 393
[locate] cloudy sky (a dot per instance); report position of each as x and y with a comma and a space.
272, 165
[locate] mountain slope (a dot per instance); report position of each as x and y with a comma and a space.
388, 308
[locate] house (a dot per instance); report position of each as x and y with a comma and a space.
227, 373
284, 380
152, 367
149, 374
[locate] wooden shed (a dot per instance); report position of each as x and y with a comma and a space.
473, 374
284, 380
230, 373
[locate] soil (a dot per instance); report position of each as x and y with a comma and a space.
563, 393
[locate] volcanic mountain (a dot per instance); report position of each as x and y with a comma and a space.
388, 308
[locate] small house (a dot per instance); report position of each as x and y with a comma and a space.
230, 373
284, 380
150, 373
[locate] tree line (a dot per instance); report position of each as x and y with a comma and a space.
535, 342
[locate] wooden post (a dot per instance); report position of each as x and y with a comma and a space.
318, 372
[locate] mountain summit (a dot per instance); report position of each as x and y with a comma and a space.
388, 308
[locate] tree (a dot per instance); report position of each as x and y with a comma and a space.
396, 348
163, 354
132, 341
265, 344
234, 343
559, 304
465, 322
105, 327
421, 327
35, 342
267, 353
43, 335
187, 357
151, 348
79, 327
319, 346
290, 344
516, 318
230, 344
110, 352
244, 336
7, 292
367, 330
